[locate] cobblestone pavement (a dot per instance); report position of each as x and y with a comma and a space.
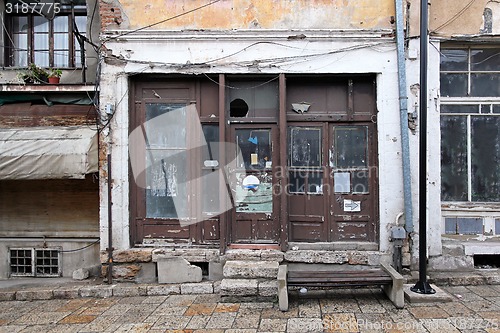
474, 309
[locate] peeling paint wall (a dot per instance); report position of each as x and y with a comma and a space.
249, 14
450, 17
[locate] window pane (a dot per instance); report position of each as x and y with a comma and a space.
342, 182
254, 193
210, 191
454, 158
41, 24
315, 182
61, 24
211, 151
485, 60
61, 41
485, 158
166, 178
360, 181
485, 85
496, 108
305, 147
446, 108
351, 147
486, 108
81, 23
297, 181
258, 97
20, 24
255, 148
166, 132
42, 58
453, 85
61, 58
454, 60
41, 41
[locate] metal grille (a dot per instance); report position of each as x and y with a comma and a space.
21, 262
34, 262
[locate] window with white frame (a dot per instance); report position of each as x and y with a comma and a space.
470, 124
34, 36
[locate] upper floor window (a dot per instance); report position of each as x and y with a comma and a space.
33, 36
470, 72
470, 124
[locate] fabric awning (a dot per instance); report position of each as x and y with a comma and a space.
48, 152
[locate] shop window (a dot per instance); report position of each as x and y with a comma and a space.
470, 124
44, 37
252, 98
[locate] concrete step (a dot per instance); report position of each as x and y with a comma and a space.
249, 269
249, 287
254, 255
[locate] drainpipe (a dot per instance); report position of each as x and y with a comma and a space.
110, 224
403, 113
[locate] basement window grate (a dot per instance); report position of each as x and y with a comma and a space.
35, 262
486, 261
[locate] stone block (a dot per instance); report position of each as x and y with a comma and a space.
7, 296
449, 263
126, 272
121, 290
455, 250
251, 269
132, 255
177, 270
357, 258
239, 287
282, 288
272, 255
147, 274
243, 254
268, 288
215, 271
32, 295
96, 291
217, 287
316, 257
197, 288
173, 289
66, 293
81, 274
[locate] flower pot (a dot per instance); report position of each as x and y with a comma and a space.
54, 80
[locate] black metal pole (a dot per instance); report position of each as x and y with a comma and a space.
422, 286
110, 225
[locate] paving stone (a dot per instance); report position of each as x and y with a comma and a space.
200, 309
198, 322
302, 325
429, 312
221, 320
246, 321
310, 309
227, 307
171, 322
77, 319
180, 300
342, 322
273, 325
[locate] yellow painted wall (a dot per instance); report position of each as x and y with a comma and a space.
252, 14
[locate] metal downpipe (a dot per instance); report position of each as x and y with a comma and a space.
403, 108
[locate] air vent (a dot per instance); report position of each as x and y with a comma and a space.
35, 262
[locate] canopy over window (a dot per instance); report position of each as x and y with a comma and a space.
48, 153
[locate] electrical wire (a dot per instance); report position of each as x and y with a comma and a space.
242, 88
162, 21
454, 17
81, 248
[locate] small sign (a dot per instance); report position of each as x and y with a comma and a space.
254, 160
352, 206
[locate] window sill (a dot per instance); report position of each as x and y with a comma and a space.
47, 87
471, 206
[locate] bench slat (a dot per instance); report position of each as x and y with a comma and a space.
338, 278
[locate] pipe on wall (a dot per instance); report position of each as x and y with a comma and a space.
403, 110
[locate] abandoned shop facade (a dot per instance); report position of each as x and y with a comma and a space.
269, 137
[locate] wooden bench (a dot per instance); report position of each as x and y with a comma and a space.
386, 277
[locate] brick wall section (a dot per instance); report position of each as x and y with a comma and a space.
110, 13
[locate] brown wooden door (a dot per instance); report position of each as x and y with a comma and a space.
353, 182
332, 189
254, 218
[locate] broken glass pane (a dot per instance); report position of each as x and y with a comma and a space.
454, 59
351, 147
485, 60
485, 151
453, 85
485, 85
454, 158
305, 147
261, 97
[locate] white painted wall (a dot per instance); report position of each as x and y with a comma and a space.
320, 52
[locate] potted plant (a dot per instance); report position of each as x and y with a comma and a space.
34, 74
54, 75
